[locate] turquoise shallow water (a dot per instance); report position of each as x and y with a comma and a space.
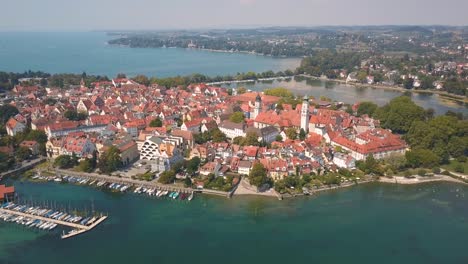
75, 52
363, 224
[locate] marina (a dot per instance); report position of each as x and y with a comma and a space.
172, 193
48, 219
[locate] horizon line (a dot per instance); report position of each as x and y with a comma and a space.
233, 27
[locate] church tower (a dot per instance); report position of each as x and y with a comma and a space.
305, 114
258, 106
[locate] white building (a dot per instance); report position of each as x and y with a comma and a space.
244, 167
160, 153
231, 129
14, 127
344, 161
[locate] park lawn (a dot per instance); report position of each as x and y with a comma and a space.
453, 163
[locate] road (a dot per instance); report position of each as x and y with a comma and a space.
25, 165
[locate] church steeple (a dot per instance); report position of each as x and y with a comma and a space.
258, 106
305, 114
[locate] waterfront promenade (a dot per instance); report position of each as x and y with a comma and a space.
25, 165
135, 182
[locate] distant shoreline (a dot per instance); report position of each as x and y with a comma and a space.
453, 97
212, 50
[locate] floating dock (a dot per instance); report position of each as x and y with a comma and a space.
76, 232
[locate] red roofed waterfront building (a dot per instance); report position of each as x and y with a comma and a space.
6, 193
377, 142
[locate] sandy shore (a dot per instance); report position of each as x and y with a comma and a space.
245, 188
419, 179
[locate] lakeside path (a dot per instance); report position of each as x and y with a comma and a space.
244, 188
419, 179
454, 97
395, 180
151, 184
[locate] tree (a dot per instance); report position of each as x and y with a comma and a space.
188, 182
443, 135
408, 83
237, 117
241, 90
280, 92
302, 134
366, 108
396, 162
94, 160
7, 111
399, 114
279, 138
156, 122
110, 160
65, 162
422, 158
85, 165
217, 135
74, 115
422, 172
459, 168
141, 79
362, 76
258, 175
121, 76
237, 140
279, 106
370, 165
193, 164
291, 133
22, 153
251, 139
167, 177
37, 135
6, 162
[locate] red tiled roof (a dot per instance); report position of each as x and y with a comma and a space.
6, 190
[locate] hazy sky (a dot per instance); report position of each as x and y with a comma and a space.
169, 14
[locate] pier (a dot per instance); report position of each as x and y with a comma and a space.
77, 228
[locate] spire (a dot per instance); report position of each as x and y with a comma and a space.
258, 98
306, 98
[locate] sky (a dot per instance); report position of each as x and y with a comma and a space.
78, 15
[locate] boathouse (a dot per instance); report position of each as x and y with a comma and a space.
6, 193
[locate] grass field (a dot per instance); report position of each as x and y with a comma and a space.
453, 165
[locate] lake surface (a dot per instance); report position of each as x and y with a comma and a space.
88, 51
362, 224
351, 94
76, 52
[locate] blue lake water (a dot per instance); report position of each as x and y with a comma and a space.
75, 52
375, 223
